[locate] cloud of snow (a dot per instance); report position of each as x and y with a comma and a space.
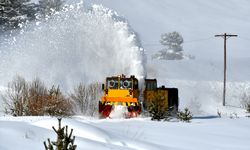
76, 44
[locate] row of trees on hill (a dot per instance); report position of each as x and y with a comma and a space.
15, 13
24, 98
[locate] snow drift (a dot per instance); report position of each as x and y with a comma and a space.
131, 134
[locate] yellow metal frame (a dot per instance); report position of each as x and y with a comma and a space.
121, 95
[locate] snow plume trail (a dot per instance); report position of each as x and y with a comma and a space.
74, 45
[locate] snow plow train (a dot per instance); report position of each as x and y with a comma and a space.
121, 91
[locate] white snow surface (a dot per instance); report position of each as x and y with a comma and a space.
132, 134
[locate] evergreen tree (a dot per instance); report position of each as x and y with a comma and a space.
158, 109
173, 46
64, 140
14, 13
185, 116
172, 40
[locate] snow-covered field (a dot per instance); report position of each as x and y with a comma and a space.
88, 43
132, 134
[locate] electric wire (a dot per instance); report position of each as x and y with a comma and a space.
244, 38
190, 41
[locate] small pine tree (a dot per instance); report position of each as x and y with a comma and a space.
64, 140
185, 116
158, 109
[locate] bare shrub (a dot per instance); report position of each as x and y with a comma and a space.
219, 113
57, 104
52, 102
15, 98
246, 101
80, 98
95, 90
37, 96
233, 115
86, 97
245, 98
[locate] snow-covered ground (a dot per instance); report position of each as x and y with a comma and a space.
132, 134
88, 43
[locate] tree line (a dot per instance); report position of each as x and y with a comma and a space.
34, 98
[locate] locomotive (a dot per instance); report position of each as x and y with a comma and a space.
124, 91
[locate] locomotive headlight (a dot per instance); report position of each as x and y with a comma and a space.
111, 83
130, 92
126, 83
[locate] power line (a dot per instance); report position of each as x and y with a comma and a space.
151, 44
197, 40
190, 41
244, 38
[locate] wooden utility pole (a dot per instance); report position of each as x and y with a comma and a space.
225, 36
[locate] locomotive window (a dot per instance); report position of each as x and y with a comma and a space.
125, 84
112, 84
135, 84
154, 85
151, 86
